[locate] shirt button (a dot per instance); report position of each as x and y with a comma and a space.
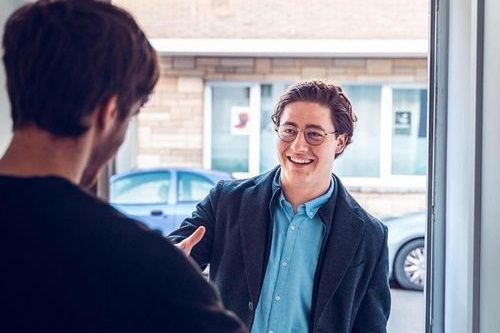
293, 227
284, 264
250, 306
277, 298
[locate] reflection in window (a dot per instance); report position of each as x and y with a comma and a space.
230, 128
409, 134
362, 157
150, 188
269, 95
192, 187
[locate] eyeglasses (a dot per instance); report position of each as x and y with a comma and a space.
313, 136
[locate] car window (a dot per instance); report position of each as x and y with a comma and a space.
146, 188
192, 187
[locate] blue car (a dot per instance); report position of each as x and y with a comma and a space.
162, 198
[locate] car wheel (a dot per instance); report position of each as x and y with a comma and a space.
409, 265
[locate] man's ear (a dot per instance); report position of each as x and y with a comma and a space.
107, 113
341, 143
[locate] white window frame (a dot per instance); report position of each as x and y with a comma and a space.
385, 180
254, 136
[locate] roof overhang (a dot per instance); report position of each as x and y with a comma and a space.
317, 48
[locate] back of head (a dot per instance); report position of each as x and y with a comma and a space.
65, 58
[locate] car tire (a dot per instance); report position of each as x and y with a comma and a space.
409, 265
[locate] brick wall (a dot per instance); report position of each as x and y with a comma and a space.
171, 126
344, 19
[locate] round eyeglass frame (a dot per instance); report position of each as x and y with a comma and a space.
304, 130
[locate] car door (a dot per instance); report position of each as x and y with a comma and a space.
146, 196
192, 187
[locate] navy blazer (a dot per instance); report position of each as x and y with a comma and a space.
351, 291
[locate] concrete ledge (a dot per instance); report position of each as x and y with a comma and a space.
340, 48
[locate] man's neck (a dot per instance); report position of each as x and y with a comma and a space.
297, 196
34, 152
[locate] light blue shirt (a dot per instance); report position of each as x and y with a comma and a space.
286, 296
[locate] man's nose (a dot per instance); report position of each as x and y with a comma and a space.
299, 143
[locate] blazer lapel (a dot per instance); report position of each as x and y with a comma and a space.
254, 222
341, 245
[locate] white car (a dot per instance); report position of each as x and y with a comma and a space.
406, 250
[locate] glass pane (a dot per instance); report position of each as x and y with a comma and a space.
268, 151
150, 188
230, 130
409, 131
362, 157
192, 187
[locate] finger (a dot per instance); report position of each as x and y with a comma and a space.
196, 236
192, 240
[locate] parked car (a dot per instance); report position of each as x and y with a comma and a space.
406, 250
162, 198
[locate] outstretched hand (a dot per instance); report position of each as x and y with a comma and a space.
187, 244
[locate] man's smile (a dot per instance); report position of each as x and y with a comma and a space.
299, 160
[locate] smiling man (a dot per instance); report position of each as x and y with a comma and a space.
291, 250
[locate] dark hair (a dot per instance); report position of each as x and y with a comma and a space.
65, 58
328, 95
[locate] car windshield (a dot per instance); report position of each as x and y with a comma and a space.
147, 188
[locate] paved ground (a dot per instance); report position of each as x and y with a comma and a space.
407, 312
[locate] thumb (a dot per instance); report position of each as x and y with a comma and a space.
187, 244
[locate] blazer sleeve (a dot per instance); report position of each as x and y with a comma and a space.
203, 215
375, 307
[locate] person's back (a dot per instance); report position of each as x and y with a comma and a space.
72, 263
77, 71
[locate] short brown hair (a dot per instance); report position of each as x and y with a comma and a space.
65, 58
328, 95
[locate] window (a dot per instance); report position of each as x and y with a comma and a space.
363, 159
409, 132
230, 128
192, 187
389, 141
269, 94
150, 188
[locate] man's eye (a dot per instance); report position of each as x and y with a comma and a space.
289, 131
315, 135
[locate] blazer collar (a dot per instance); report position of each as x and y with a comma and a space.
255, 230
345, 231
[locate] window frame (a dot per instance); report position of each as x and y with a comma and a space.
385, 180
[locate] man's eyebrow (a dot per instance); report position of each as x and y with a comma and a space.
315, 126
290, 123
307, 125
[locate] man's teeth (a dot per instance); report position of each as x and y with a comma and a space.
300, 160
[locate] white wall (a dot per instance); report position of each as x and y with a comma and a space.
6, 8
490, 210
472, 266
5, 122
460, 170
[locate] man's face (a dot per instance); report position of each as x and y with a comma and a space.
307, 166
107, 148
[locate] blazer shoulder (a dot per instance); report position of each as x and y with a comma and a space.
241, 185
371, 222
374, 225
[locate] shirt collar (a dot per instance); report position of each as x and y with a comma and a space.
311, 207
